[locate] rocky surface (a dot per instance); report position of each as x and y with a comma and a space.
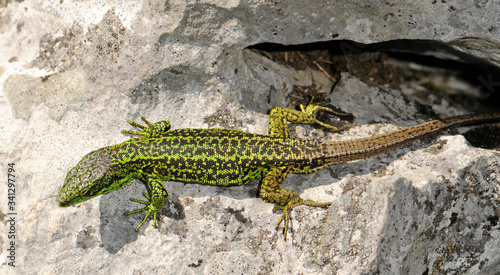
72, 72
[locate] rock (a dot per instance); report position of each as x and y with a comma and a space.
72, 72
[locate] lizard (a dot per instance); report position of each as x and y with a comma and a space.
229, 157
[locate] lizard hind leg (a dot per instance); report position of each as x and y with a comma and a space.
279, 116
286, 200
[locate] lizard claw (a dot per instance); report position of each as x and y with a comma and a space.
150, 208
285, 216
312, 109
151, 130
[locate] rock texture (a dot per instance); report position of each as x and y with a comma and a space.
72, 72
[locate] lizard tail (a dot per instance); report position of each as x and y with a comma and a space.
344, 151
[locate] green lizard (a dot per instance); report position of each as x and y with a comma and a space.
227, 157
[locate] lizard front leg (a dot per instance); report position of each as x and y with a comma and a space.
155, 202
149, 131
286, 200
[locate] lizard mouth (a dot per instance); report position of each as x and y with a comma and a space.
61, 200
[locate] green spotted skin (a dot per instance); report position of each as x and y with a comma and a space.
227, 157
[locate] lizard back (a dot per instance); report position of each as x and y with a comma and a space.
212, 156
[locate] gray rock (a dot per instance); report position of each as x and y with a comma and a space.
72, 72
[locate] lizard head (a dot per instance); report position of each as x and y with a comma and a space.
91, 177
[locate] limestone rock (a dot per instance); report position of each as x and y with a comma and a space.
72, 72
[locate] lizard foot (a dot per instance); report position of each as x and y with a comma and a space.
151, 130
312, 109
150, 208
285, 217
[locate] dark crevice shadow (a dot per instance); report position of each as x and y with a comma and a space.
437, 56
